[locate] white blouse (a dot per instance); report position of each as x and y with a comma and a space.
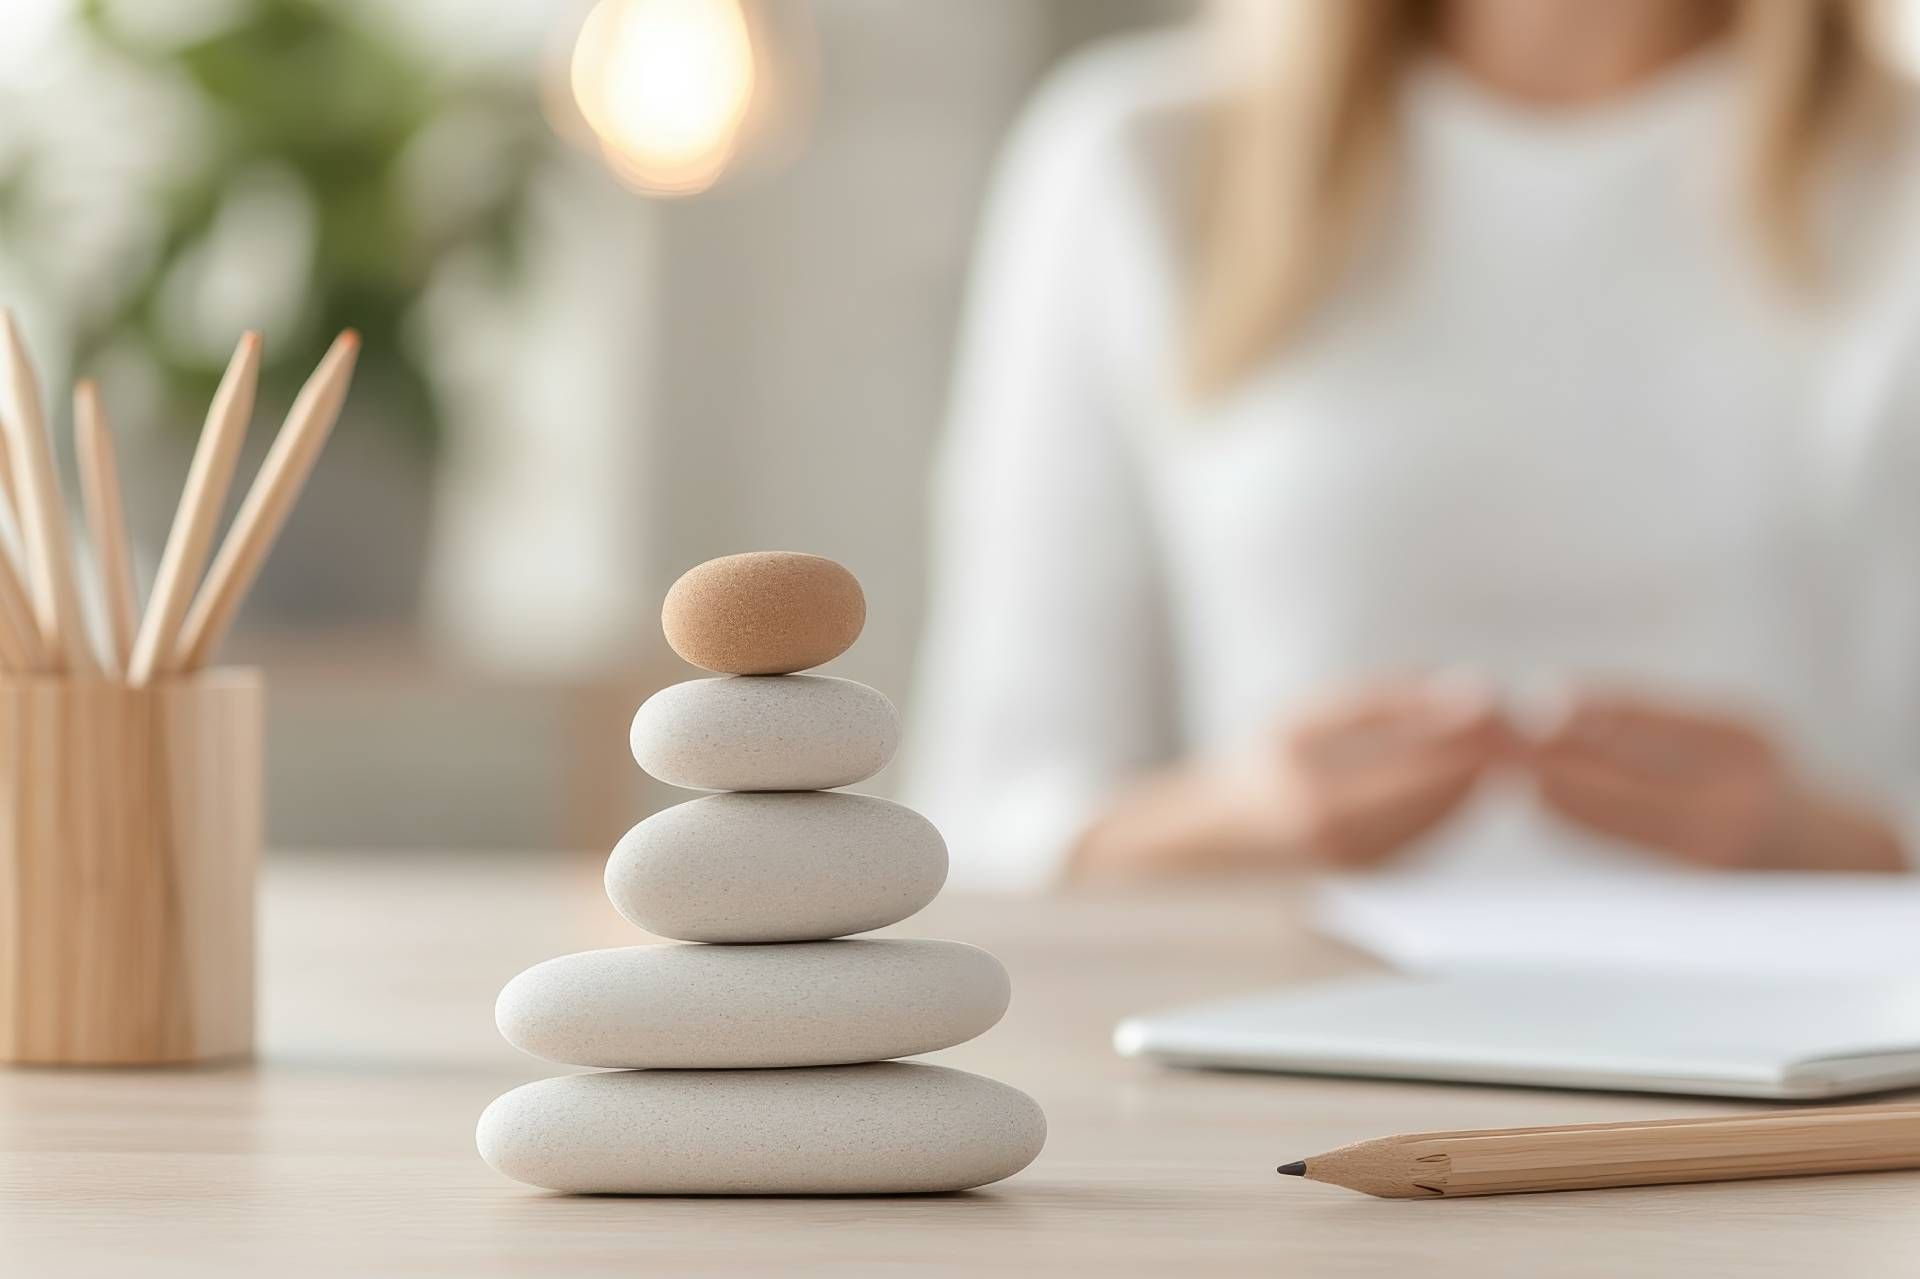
1554, 425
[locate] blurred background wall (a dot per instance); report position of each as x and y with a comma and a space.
576, 385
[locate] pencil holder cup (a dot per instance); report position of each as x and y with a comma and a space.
130, 831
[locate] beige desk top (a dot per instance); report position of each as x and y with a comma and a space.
348, 1149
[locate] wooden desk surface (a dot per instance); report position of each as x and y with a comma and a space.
348, 1148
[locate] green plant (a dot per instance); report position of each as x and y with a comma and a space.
310, 90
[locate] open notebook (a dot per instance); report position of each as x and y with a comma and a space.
1634, 920
1758, 986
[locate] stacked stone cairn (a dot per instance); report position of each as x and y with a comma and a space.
754, 1054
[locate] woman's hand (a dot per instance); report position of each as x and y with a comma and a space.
1702, 786
1364, 775
1348, 784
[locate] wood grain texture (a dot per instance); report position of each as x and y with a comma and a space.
43, 512
347, 1147
201, 501
264, 510
106, 522
130, 826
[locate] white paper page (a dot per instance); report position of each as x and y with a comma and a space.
1633, 919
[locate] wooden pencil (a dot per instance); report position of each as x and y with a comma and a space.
43, 514
1497, 1161
7, 490
201, 502
267, 504
106, 522
19, 633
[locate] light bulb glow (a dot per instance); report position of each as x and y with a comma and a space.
1901, 22
665, 86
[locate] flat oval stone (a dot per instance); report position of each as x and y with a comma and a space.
727, 1007
884, 1128
765, 733
763, 613
776, 867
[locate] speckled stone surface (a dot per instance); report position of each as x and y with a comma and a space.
765, 733
885, 1128
725, 1007
776, 867
763, 613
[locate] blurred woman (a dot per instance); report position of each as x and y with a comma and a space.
1397, 398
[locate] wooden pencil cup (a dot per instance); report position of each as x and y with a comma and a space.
130, 832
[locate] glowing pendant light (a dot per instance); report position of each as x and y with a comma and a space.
666, 87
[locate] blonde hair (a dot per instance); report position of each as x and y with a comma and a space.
1301, 156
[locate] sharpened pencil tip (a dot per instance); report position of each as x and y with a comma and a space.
1298, 1168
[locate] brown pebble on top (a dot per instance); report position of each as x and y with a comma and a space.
764, 613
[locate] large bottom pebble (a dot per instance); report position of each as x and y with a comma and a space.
881, 1128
